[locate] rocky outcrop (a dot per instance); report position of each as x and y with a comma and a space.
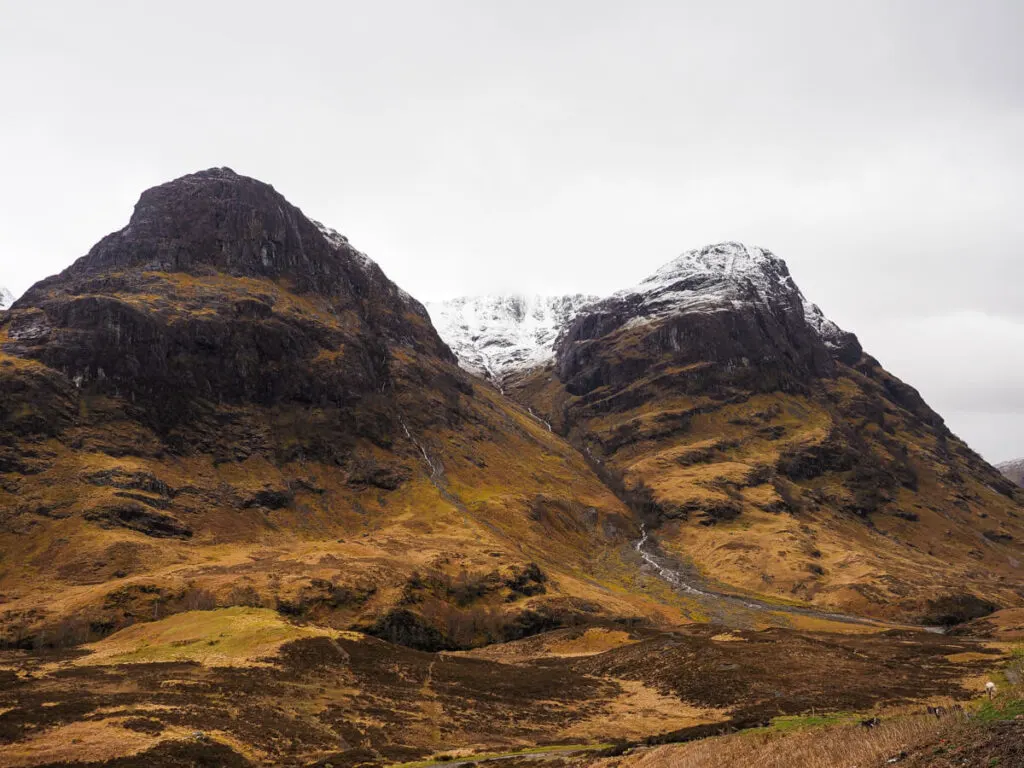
729, 306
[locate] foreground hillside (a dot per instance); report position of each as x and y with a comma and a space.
246, 686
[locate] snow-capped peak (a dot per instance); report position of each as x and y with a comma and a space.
723, 277
6, 298
713, 277
494, 336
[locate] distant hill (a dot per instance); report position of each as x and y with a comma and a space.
1013, 469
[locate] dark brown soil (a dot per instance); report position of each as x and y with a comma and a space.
765, 674
172, 754
776, 671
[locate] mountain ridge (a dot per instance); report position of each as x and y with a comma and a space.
492, 336
496, 335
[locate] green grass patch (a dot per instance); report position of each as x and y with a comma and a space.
799, 722
994, 711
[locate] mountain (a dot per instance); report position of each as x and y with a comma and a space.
225, 398
768, 451
6, 298
253, 511
1014, 470
497, 336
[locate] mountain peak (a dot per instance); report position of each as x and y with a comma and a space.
724, 277
6, 298
704, 277
220, 221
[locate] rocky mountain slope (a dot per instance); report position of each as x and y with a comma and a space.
225, 401
1014, 470
770, 453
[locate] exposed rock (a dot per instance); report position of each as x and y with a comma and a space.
956, 609
270, 498
138, 518
128, 480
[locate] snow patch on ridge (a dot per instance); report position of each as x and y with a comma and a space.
6, 298
494, 336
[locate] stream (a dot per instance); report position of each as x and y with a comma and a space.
690, 585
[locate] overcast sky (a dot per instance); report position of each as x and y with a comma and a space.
546, 147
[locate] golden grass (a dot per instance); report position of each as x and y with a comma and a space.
83, 741
591, 642
224, 637
823, 556
839, 746
557, 644
640, 711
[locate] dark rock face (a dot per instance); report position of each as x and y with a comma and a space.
757, 349
217, 221
138, 518
949, 610
220, 292
731, 308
